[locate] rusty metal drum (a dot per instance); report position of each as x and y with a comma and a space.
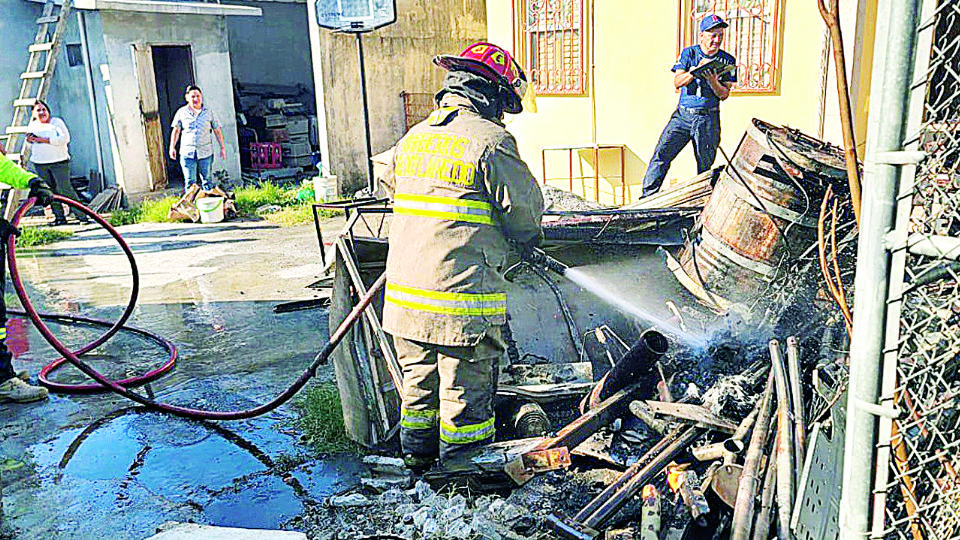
762, 212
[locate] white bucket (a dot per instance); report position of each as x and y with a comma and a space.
325, 188
211, 209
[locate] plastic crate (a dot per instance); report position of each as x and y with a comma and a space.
266, 155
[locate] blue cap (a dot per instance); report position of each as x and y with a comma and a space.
712, 21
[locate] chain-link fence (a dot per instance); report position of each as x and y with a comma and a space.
919, 494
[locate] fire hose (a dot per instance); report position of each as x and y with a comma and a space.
120, 387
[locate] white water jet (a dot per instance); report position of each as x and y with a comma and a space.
601, 291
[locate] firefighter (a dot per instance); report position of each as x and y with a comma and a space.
462, 195
14, 386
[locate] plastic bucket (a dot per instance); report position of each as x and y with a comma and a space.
211, 209
325, 188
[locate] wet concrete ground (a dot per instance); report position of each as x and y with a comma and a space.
92, 466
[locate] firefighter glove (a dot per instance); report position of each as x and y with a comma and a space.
42, 192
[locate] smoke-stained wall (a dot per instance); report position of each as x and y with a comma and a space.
397, 58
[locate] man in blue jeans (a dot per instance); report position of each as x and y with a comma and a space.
198, 125
697, 117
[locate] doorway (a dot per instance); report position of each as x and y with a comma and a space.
173, 70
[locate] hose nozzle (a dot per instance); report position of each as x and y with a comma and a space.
538, 257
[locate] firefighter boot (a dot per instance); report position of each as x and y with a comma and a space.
18, 391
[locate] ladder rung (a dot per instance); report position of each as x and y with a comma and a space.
33, 75
40, 47
18, 129
26, 102
14, 157
48, 20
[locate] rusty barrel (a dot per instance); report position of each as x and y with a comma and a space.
762, 212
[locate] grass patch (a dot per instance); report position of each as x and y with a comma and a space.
36, 236
321, 420
249, 198
155, 211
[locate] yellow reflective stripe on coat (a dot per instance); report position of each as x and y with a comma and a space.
452, 434
446, 208
447, 303
3, 332
423, 419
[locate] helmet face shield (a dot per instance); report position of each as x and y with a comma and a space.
493, 63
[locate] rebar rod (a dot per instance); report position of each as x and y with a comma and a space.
747, 490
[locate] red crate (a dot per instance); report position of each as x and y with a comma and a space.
266, 155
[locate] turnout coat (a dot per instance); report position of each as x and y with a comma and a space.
461, 193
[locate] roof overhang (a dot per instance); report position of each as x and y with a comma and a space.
173, 8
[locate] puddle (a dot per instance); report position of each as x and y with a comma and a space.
104, 469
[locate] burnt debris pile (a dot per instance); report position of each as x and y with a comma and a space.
724, 420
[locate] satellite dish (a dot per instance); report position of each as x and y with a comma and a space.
355, 15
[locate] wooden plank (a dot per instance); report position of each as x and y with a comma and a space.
40, 47
697, 414
48, 19
25, 102
17, 129
34, 74
150, 116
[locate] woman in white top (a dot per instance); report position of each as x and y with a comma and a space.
50, 157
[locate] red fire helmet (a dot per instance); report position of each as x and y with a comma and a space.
493, 63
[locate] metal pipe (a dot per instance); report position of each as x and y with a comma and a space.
746, 493
611, 505
784, 451
371, 181
799, 423
893, 64
761, 528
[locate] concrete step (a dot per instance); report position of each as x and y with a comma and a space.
193, 531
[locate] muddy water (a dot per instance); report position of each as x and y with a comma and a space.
91, 466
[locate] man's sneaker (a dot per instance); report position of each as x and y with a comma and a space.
20, 392
23, 375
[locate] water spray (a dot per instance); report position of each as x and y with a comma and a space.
539, 258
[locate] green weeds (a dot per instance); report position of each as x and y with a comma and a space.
321, 420
37, 236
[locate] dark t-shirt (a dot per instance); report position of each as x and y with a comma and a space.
698, 94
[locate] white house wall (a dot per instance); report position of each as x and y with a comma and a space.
207, 37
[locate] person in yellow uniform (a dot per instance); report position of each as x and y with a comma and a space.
462, 195
14, 386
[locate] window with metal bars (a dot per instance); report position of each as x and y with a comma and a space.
549, 45
753, 37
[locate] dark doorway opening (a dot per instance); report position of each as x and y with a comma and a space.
173, 69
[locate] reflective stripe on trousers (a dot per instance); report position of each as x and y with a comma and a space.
460, 382
447, 303
445, 208
422, 419
471, 433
